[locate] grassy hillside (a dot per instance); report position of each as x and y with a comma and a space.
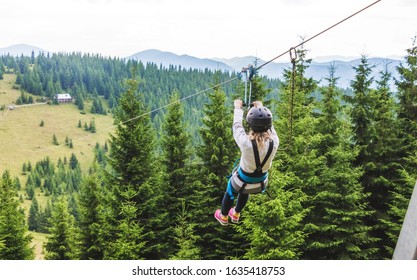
23, 140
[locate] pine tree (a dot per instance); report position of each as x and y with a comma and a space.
185, 237
73, 162
374, 125
407, 88
129, 243
217, 153
13, 231
92, 127
1, 237
55, 140
385, 159
93, 109
175, 155
33, 220
16, 183
336, 223
131, 165
44, 217
79, 101
362, 111
24, 168
272, 226
89, 199
61, 244
407, 151
30, 190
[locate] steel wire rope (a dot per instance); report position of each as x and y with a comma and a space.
316, 35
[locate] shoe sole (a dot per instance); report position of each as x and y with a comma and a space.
234, 221
220, 221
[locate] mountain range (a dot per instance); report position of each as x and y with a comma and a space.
21, 49
318, 69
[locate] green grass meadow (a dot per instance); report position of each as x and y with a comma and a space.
23, 139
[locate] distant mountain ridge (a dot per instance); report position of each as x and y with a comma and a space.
21, 49
317, 69
167, 58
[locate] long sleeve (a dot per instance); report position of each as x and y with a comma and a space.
239, 133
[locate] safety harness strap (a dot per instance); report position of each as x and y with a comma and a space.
257, 176
251, 178
258, 172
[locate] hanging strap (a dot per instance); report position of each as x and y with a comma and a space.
249, 72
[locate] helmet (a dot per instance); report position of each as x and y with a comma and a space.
259, 119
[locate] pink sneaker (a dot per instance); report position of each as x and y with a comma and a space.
223, 220
234, 216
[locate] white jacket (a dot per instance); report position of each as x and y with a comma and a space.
247, 160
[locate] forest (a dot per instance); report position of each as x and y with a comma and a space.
339, 186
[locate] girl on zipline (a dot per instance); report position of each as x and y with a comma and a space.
257, 149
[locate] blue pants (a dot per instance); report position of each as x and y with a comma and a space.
227, 202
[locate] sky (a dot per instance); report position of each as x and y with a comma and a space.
210, 28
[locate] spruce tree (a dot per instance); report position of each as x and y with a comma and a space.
407, 95
13, 231
44, 218
175, 156
131, 164
92, 127
336, 223
1, 237
89, 199
73, 162
129, 242
185, 237
61, 243
79, 101
362, 111
55, 140
407, 117
272, 226
375, 136
383, 173
33, 220
217, 153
